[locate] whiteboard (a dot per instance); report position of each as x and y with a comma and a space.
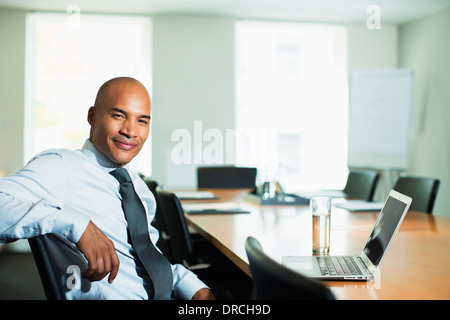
379, 118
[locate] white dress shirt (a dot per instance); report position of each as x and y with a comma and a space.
60, 191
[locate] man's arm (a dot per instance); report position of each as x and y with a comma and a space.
100, 253
203, 294
32, 203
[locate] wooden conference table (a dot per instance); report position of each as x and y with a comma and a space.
416, 265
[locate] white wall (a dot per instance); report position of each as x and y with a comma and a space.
12, 88
424, 47
370, 49
193, 77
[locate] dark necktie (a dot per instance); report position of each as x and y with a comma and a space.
156, 264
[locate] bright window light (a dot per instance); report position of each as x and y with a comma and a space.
291, 103
69, 57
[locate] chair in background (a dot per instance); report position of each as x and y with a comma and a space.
423, 191
55, 257
272, 281
226, 177
199, 255
158, 221
191, 250
173, 218
361, 184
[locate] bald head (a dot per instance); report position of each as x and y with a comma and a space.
112, 87
120, 119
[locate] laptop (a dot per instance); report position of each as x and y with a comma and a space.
363, 266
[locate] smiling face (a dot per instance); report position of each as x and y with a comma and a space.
120, 119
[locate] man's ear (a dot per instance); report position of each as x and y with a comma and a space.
91, 114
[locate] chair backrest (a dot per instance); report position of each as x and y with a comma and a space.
177, 230
423, 191
159, 222
226, 177
272, 281
57, 259
361, 184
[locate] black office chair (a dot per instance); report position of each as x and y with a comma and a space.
158, 221
423, 191
361, 184
177, 229
56, 260
199, 255
227, 177
272, 281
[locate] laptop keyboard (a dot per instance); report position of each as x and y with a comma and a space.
337, 266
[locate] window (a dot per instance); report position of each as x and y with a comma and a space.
291, 103
69, 57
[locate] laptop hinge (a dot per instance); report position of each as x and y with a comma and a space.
364, 265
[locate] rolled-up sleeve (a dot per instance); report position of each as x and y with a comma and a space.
186, 283
70, 223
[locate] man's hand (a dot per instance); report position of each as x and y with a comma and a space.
100, 253
203, 294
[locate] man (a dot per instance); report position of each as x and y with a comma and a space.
73, 194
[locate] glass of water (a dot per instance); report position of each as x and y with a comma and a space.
321, 216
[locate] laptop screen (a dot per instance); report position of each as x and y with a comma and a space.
384, 230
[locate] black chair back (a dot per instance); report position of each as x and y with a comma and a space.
423, 191
177, 230
361, 184
159, 222
56, 260
272, 281
227, 177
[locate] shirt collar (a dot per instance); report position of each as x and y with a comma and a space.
95, 156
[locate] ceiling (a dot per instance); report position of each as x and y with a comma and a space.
391, 11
